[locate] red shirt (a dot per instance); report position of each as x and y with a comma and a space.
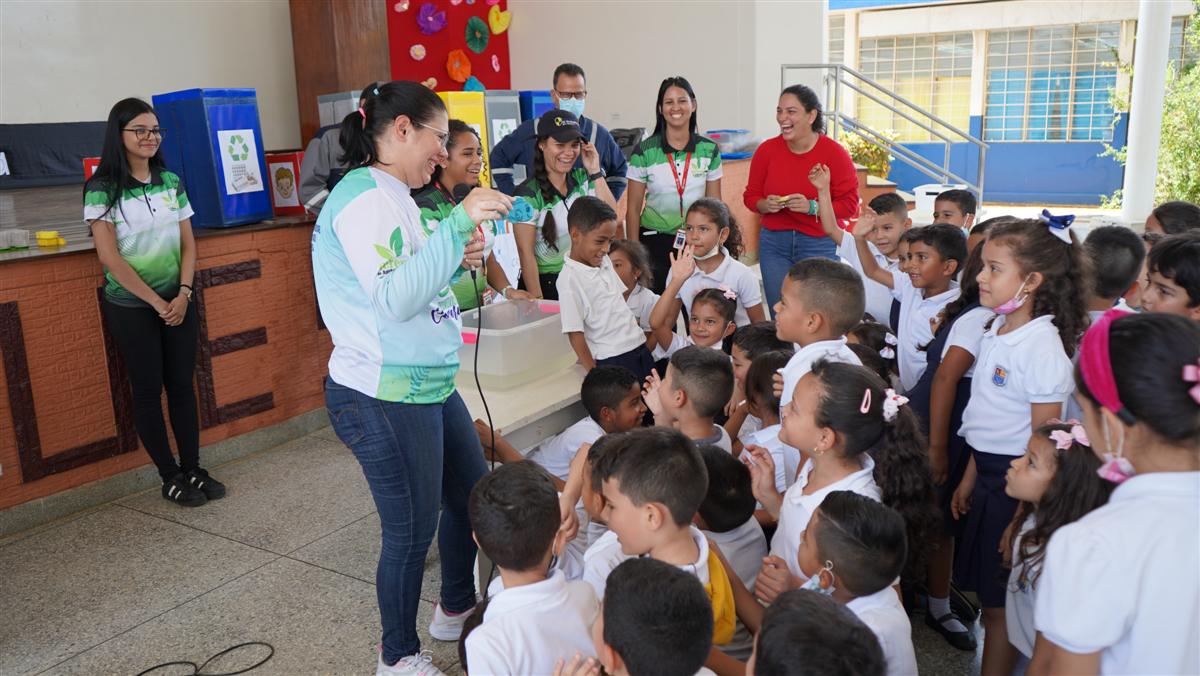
775, 170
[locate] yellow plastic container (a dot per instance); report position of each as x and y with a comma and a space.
48, 238
469, 107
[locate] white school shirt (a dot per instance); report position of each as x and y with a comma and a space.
802, 361
1019, 598
555, 454
731, 273
750, 425
884, 614
641, 302
1027, 366
744, 547
592, 300
601, 557
914, 331
1124, 580
798, 508
720, 439
786, 458
527, 629
967, 333
878, 296
678, 342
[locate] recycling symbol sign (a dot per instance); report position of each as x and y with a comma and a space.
239, 150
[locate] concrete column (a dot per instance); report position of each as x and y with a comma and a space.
1146, 108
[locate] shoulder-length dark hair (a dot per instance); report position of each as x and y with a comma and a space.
660, 122
113, 175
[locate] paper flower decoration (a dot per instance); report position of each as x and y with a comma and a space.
417, 52
455, 3
473, 85
429, 19
498, 20
401, 6
477, 35
430, 82
458, 66
496, 63
493, 2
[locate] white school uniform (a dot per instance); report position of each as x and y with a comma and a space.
731, 273
884, 614
1123, 579
798, 508
914, 331
641, 302
720, 439
1020, 597
786, 458
555, 454
802, 361
678, 342
1015, 370
592, 300
967, 333
744, 547
750, 425
527, 629
878, 296
601, 557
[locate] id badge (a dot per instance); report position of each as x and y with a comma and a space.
680, 239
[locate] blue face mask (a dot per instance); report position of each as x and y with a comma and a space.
572, 106
814, 583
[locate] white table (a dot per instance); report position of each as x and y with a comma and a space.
529, 413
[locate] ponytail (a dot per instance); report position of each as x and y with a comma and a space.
852, 405
542, 180
360, 129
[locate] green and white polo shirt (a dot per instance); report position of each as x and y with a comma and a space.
147, 226
436, 207
550, 259
650, 165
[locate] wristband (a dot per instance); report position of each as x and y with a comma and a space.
504, 291
813, 207
186, 286
595, 176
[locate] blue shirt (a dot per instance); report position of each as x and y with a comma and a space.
517, 149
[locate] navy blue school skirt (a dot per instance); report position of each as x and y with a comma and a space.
978, 564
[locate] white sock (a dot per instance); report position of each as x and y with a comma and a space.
941, 608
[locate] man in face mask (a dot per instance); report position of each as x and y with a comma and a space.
512, 157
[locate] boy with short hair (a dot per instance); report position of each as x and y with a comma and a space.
1116, 254
539, 616
1174, 265
655, 621
820, 301
935, 256
698, 384
956, 207
805, 633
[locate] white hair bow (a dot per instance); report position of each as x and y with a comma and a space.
892, 403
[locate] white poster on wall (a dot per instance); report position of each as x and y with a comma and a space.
239, 161
502, 127
283, 183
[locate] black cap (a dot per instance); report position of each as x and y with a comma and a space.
559, 125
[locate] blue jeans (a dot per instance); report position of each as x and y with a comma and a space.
779, 250
416, 458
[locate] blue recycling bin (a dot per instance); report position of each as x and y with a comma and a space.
213, 140
534, 103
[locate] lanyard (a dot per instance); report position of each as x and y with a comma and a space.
680, 185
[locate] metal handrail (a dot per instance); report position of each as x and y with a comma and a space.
842, 120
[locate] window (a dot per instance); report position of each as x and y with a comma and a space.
1180, 53
837, 38
1051, 83
932, 71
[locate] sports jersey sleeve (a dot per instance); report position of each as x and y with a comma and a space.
638, 169
403, 285
715, 171
181, 199
95, 205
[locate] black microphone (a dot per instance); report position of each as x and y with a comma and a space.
459, 193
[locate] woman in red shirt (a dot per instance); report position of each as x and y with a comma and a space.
778, 188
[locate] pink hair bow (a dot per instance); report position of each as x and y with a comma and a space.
1191, 374
1063, 440
892, 403
728, 292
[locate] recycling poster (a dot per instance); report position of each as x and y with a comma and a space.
239, 161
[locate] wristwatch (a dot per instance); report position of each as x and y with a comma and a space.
598, 175
186, 293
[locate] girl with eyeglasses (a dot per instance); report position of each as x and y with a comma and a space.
140, 222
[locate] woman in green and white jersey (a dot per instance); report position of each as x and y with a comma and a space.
669, 171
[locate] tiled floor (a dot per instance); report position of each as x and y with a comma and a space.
287, 558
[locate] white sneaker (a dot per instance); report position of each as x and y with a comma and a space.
420, 664
446, 627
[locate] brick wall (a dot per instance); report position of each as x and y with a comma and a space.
64, 403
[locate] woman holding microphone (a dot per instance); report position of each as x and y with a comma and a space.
383, 285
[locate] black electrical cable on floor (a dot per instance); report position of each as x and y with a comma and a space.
199, 670
487, 412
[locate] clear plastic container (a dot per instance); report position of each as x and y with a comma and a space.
729, 140
522, 341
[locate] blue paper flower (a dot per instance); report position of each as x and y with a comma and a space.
473, 85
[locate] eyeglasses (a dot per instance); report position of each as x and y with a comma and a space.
579, 96
143, 133
442, 135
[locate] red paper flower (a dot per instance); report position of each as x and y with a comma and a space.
458, 66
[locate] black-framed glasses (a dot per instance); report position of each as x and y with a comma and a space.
581, 95
144, 133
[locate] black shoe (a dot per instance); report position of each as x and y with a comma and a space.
199, 479
178, 490
962, 606
963, 640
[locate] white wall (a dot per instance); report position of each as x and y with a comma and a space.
70, 60
729, 51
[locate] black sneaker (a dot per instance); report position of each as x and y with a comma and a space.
199, 479
963, 640
178, 490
